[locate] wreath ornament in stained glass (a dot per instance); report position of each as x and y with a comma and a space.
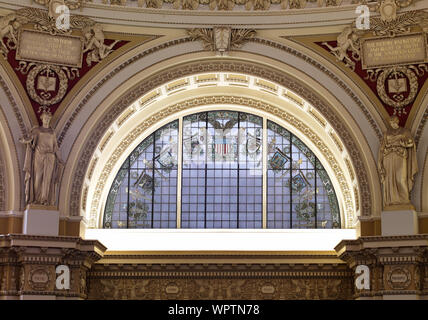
253, 143
305, 211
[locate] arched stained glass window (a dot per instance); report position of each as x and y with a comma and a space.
231, 177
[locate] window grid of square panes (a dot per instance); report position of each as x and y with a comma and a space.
222, 171
299, 194
222, 178
144, 193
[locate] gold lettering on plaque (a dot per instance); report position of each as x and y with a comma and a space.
405, 49
36, 46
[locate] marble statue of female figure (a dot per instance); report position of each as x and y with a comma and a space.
397, 165
43, 166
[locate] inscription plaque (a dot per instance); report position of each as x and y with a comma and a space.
400, 50
399, 278
37, 46
39, 279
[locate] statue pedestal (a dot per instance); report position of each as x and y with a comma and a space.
41, 220
399, 222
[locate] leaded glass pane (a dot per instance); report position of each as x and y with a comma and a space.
222, 178
222, 170
144, 192
299, 193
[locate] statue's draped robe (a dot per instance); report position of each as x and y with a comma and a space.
42, 168
398, 166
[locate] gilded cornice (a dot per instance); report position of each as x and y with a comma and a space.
310, 14
411, 241
219, 281
397, 265
218, 5
11, 240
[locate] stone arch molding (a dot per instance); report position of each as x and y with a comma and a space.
9, 169
87, 153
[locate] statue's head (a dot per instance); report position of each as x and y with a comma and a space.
394, 122
46, 119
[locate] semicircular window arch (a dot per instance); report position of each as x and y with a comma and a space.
229, 176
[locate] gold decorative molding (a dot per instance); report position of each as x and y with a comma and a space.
222, 39
230, 5
221, 275
222, 287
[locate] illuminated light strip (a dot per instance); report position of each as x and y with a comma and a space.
220, 239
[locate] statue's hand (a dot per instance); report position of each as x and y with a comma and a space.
24, 141
382, 174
